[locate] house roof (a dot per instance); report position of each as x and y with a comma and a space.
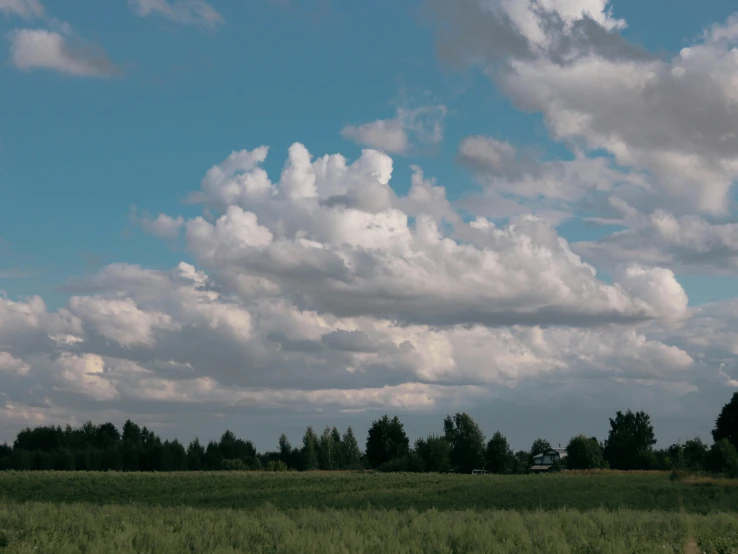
560, 451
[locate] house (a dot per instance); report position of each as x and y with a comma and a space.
544, 460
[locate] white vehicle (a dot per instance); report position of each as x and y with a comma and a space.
479, 472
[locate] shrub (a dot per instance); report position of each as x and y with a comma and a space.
234, 465
276, 465
409, 463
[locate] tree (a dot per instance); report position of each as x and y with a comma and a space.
195, 456
726, 425
285, 448
309, 449
694, 453
350, 453
434, 453
499, 455
521, 462
584, 453
106, 436
386, 441
174, 456
288, 455
630, 441
328, 450
466, 440
671, 458
45, 439
337, 453
233, 448
213, 457
150, 457
131, 433
723, 458
539, 446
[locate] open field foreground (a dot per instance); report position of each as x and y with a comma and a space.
352, 512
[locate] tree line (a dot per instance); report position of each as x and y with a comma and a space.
460, 447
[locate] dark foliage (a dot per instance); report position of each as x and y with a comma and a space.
460, 449
584, 453
723, 458
630, 442
467, 442
499, 455
434, 453
726, 425
387, 441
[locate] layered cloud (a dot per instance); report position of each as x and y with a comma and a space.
266, 352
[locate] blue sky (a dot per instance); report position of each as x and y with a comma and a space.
176, 93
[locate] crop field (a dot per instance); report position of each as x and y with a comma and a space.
603, 512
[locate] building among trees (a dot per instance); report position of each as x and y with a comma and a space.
548, 459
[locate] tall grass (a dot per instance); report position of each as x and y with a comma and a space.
576, 513
46, 527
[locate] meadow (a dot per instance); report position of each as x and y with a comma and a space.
571, 512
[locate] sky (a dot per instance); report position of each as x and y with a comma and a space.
267, 214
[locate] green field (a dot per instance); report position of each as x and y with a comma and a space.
363, 512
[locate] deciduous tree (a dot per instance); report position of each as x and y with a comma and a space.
466, 440
584, 453
386, 441
723, 458
539, 446
630, 441
434, 453
726, 425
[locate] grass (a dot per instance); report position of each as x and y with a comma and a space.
346, 490
353, 512
708, 481
46, 527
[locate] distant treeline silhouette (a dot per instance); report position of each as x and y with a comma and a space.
461, 447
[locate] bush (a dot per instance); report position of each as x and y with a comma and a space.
276, 465
409, 463
234, 465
